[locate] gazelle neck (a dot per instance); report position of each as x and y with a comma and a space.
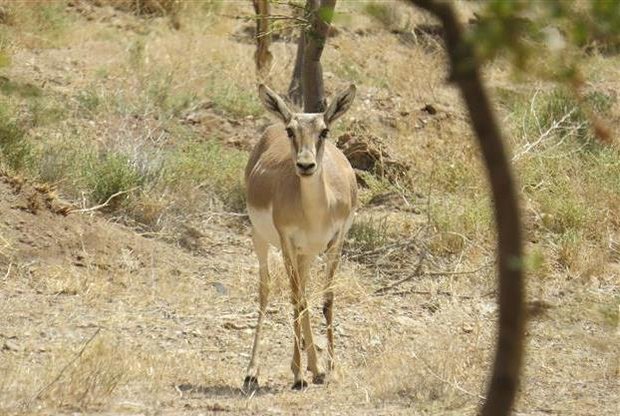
313, 194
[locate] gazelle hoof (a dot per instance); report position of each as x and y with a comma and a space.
300, 385
319, 378
250, 384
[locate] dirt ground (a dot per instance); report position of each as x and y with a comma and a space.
99, 317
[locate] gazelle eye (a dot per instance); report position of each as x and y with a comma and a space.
290, 133
323, 134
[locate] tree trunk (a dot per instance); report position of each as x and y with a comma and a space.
312, 72
307, 81
509, 350
262, 56
295, 92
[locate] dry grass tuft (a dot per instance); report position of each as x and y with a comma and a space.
89, 382
144, 7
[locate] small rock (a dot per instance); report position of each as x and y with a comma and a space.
220, 288
321, 343
467, 328
375, 341
430, 109
10, 345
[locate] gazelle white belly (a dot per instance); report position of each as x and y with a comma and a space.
312, 241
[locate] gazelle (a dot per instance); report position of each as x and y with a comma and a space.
301, 197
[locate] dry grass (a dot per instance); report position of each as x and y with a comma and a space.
134, 103
143, 7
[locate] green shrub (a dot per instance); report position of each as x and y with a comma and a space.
558, 111
50, 16
88, 101
211, 167
458, 219
55, 162
162, 97
44, 110
385, 13
15, 149
110, 174
22, 89
232, 98
367, 234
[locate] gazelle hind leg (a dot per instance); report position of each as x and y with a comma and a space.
318, 376
262, 251
333, 259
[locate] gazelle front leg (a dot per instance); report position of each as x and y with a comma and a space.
262, 251
292, 270
318, 376
334, 252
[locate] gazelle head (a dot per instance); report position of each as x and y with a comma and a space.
307, 131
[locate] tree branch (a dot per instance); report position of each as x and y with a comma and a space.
465, 74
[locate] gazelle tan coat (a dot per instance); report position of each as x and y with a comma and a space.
301, 198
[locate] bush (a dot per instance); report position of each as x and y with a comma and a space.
15, 150
367, 234
145, 7
210, 167
386, 14
109, 175
559, 111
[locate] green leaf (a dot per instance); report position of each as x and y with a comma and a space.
5, 60
326, 14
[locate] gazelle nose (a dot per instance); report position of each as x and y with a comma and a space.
306, 166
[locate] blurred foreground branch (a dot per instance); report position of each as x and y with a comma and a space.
465, 74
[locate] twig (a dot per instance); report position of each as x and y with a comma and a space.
8, 271
430, 292
278, 17
428, 195
278, 29
440, 273
289, 3
227, 214
79, 354
426, 292
382, 249
444, 293
474, 271
530, 145
105, 204
386, 247
416, 272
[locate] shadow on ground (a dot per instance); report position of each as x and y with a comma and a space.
221, 390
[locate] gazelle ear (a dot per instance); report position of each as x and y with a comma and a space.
274, 104
340, 104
